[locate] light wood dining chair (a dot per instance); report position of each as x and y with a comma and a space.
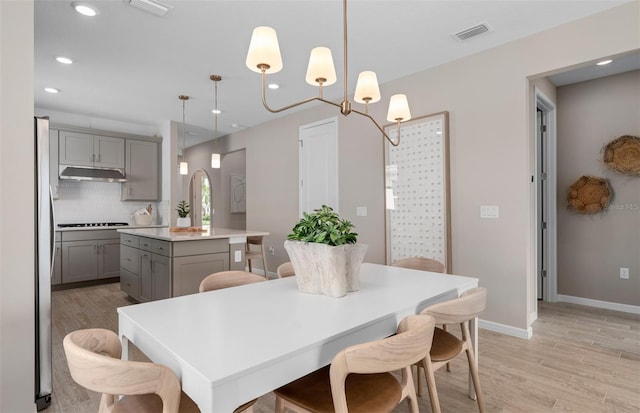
226, 279
419, 263
285, 270
447, 346
93, 356
254, 250
359, 378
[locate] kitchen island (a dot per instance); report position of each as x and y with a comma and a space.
156, 263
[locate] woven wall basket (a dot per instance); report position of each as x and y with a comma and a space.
589, 195
623, 155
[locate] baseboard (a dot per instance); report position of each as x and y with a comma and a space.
625, 308
505, 329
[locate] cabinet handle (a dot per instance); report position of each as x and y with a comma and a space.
99, 157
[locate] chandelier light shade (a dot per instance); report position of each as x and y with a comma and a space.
264, 57
367, 90
398, 109
184, 166
264, 51
215, 160
321, 69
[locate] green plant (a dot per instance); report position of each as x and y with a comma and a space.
323, 226
183, 209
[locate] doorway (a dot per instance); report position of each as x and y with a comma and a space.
318, 167
545, 179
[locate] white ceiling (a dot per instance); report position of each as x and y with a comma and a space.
130, 66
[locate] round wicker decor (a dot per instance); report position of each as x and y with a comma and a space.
623, 155
589, 195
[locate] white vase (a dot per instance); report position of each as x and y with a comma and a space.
183, 222
325, 269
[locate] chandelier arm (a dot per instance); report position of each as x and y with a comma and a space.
396, 143
293, 105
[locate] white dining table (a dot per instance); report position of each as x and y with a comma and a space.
230, 346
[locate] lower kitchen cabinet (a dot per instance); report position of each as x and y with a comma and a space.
155, 276
153, 269
89, 255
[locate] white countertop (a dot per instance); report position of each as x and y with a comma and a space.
210, 233
58, 229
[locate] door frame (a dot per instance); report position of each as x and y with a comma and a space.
548, 109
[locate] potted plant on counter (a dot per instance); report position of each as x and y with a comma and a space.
183, 214
324, 253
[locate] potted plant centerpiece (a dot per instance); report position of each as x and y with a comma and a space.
324, 254
183, 214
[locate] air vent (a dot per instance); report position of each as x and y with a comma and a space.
472, 32
151, 6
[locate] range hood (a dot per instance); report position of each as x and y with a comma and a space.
79, 173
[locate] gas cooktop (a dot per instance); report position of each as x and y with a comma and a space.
94, 224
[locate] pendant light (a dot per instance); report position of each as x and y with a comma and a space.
184, 166
215, 157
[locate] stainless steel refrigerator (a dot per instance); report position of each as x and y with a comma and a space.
44, 244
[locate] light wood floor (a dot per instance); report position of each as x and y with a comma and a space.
580, 359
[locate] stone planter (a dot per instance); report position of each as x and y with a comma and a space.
325, 269
183, 222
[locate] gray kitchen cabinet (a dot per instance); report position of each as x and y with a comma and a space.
191, 270
89, 255
80, 261
53, 162
108, 258
56, 275
150, 271
142, 171
83, 149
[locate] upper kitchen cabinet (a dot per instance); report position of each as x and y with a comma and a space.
53, 163
82, 149
142, 171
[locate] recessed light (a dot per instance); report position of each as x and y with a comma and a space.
273, 86
52, 90
64, 60
604, 62
235, 125
85, 9
216, 111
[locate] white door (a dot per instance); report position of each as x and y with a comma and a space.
319, 165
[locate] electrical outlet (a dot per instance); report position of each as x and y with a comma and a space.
272, 250
624, 273
238, 256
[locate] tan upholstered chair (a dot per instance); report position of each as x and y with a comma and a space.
419, 263
285, 270
93, 356
446, 346
254, 250
371, 387
226, 279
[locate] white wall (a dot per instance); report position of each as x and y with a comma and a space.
489, 97
16, 208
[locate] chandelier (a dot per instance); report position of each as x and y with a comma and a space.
264, 57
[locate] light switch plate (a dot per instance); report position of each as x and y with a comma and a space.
489, 211
361, 211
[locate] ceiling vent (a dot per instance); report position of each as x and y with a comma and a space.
472, 31
151, 6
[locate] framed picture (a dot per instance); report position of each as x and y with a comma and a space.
238, 194
416, 188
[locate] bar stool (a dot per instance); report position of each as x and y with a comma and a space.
256, 254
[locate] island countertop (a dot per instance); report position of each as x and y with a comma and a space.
210, 233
